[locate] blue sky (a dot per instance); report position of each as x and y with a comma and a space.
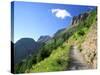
31, 20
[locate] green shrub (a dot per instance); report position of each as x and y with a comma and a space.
81, 32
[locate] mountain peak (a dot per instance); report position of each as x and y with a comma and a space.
24, 47
80, 17
44, 38
25, 39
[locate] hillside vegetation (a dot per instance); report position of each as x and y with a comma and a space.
54, 54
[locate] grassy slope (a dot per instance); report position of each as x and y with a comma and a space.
57, 61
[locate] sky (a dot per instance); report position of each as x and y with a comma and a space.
31, 20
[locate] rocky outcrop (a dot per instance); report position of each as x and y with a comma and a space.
89, 47
81, 17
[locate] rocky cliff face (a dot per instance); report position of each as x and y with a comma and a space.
81, 17
89, 47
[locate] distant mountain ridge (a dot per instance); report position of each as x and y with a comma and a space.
25, 47
44, 38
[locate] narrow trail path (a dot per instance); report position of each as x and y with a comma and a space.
77, 61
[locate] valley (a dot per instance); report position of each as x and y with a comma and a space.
72, 48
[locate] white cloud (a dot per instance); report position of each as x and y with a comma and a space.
61, 13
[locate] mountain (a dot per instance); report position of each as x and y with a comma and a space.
44, 38
60, 31
79, 18
73, 27
55, 54
25, 47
